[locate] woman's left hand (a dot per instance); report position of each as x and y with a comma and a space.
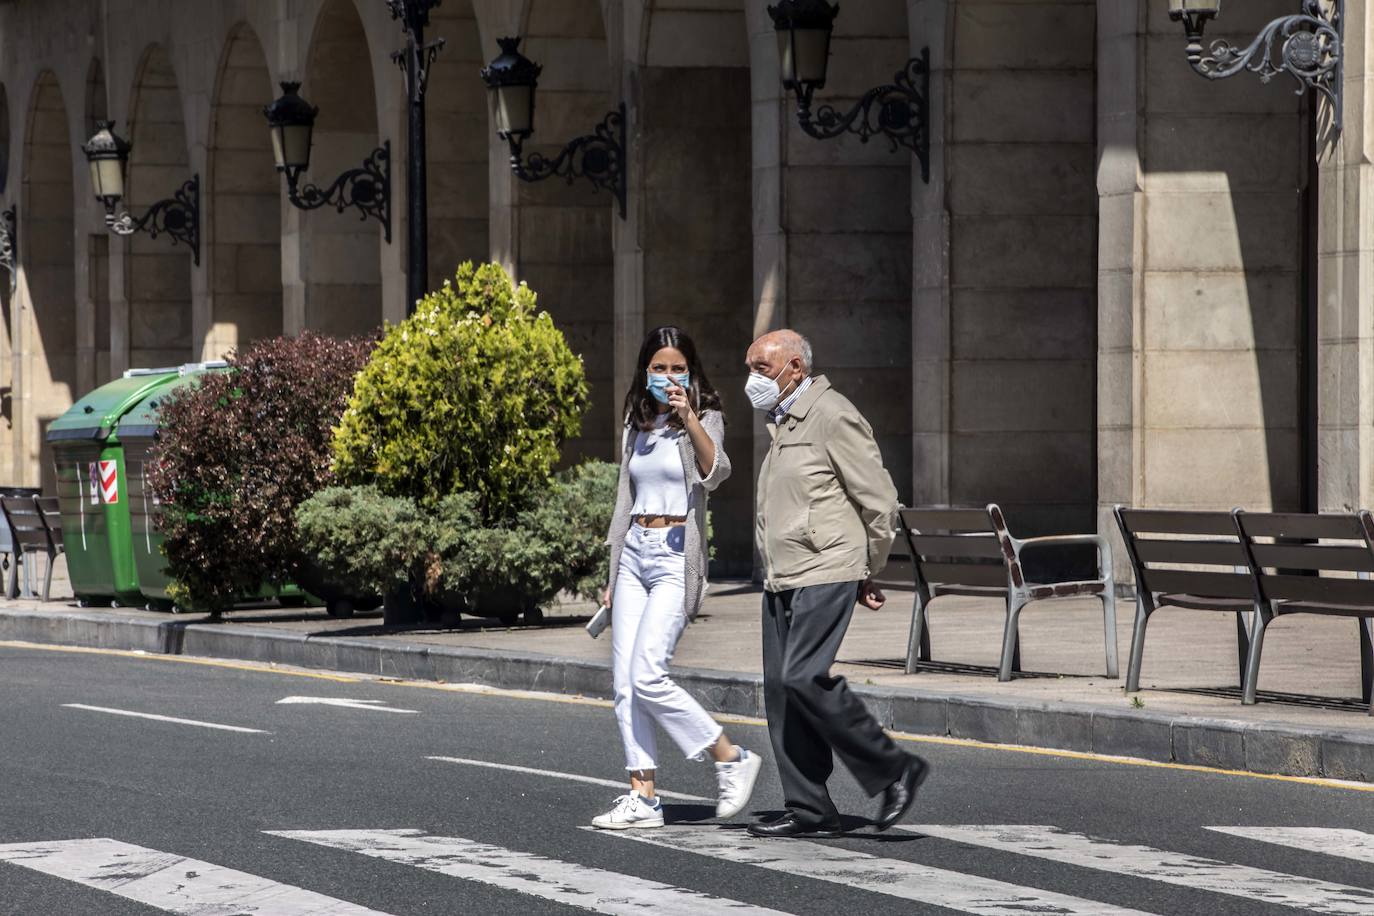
677, 400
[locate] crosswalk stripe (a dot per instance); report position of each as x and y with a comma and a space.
552, 879
908, 880
1152, 864
172, 883
1333, 841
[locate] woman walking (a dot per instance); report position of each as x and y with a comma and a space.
674, 455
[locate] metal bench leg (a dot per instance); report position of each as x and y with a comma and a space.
1109, 630
1251, 683
12, 579
47, 577
1011, 642
1242, 643
918, 642
1366, 625
28, 575
1144, 607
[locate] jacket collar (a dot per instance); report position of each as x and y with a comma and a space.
819, 386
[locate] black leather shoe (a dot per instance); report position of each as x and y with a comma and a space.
898, 797
789, 826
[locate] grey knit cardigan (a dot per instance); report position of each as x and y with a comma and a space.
695, 550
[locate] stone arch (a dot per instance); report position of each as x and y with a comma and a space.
157, 273
342, 261
244, 203
561, 233
691, 178
45, 369
456, 144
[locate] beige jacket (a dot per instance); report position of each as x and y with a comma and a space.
826, 504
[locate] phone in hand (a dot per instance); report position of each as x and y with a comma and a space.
599, 622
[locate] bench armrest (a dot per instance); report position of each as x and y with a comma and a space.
1104, 547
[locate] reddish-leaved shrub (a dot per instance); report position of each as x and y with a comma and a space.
237, 454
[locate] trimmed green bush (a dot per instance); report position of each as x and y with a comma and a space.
364, 542
476, 392
237, 453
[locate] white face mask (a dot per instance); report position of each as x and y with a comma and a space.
762, 391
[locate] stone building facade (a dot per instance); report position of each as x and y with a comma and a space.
1121, 283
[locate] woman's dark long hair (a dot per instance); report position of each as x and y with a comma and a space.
640, 407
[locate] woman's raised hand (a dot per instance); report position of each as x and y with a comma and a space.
677, 400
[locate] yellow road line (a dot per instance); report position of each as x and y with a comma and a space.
185, 660
727, 718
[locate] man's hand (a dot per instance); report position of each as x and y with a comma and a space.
870, 596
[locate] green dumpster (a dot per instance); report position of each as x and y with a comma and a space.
92, 488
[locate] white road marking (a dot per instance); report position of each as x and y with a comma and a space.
1333, 841
908, 880
1152, 864
374, 705
173, 719
172, 883
574, 777
552, 879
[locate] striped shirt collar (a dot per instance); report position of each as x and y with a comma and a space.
781, 410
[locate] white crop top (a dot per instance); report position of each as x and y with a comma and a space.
656, 473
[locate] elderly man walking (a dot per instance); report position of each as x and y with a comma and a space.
824, 524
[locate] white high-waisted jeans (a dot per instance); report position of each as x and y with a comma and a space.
647, 618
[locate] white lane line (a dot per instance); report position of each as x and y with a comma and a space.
894, 877
552, 879
173, 719
374, 705
172, 883
1180, 869
1333, 841
574, 777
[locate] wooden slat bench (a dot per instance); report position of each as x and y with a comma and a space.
1310, 564
971, 552
1191, 560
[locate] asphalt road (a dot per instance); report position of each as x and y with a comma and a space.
339, 809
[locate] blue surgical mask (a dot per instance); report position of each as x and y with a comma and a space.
658, 384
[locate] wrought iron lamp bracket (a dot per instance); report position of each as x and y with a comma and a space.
1310, 48
899, 111
177, 217
9, 243
599, 157
366, 189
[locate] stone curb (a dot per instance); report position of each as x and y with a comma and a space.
1215, 743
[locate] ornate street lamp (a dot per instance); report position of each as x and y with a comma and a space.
367, 189
9, 243
1310, 47
899, 111
177, 216
415, 61
599, 157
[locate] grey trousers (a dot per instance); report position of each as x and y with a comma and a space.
810, 713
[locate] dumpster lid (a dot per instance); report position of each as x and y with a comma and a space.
94, 416
141, 422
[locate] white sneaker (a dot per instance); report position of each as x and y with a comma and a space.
736, 780
629, 811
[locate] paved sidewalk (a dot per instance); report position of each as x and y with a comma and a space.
1189, 710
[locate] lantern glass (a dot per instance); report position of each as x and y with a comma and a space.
514, 111
107, 177
1204, 7
291, 146
804, 55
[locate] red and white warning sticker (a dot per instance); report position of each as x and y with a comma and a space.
109, 482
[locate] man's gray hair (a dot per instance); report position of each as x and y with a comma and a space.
804, 351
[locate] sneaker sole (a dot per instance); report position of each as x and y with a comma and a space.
631, 825
754, 770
